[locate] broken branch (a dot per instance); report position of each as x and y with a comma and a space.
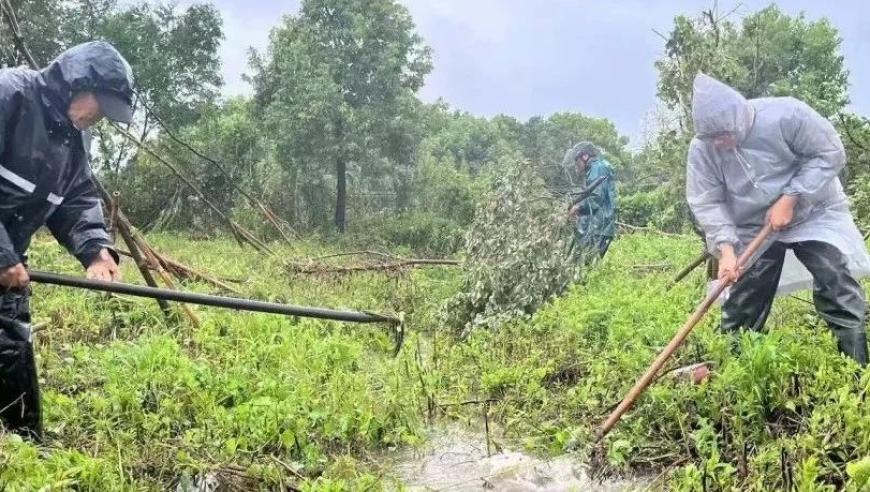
396, 265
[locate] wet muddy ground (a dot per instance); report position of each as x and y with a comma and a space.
456, 460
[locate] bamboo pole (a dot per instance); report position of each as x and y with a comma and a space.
270, 216
143, 255
151, 257
690, 267
242, 234
184, 272
396, 265
136, 249
18, 38
659, 362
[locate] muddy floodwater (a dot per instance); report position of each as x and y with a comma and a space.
456, 460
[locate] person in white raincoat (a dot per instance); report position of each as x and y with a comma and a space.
775, 160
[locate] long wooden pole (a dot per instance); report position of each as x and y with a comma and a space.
647, 378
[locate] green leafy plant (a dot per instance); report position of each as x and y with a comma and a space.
516, 254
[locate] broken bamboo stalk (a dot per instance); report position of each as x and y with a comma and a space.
113, 213
691, 267
184, 272
12, 19
242, 234
135, 251
143, 256
397, 265
355, 253
167, 279
181, 270
270, 216
146, 257
152, 263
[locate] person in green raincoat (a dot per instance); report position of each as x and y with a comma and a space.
594, 210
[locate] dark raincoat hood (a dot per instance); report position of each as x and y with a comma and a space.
44, 174
95, 66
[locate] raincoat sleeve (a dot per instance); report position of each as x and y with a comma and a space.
78, 222
706, 194
815, 140
8, 256
598, 199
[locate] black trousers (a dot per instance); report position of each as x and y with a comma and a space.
838, 297
19, 387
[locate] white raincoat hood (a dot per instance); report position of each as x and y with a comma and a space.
719, 109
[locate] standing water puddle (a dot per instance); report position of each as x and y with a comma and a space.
455, 460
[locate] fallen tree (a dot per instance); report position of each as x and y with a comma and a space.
516, 255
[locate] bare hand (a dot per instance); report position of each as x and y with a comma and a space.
782, 212
728, 270
104, 267
574, 212
14, 277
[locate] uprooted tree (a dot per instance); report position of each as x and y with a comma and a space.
517, 254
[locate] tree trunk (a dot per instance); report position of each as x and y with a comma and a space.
293, 209
403, 195
341, 196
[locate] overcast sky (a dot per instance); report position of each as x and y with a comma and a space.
536, 57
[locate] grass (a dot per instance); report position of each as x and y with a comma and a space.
783, 409
133, 402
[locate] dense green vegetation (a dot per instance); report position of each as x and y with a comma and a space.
135, 403
782, 410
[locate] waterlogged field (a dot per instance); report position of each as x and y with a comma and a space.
263, 402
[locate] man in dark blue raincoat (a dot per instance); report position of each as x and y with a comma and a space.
45, 181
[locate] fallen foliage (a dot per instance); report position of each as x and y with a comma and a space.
517, 254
